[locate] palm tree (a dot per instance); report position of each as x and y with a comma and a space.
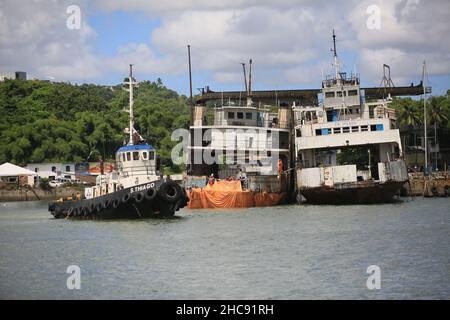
436, 111
437, 115
409, 115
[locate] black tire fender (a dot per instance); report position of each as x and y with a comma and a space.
116, 203
99, 207
126, 197
170, 191
106, 204
57, 212
150, 194
139, 197
434, 190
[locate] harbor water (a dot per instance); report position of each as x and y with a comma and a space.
286, 252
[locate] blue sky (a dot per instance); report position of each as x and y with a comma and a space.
289, 41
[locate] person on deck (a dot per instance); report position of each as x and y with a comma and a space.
211, 179
280, 167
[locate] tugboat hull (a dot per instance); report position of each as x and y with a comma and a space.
357, 193
154, 199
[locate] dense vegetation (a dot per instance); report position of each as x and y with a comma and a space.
410, 112
42, 121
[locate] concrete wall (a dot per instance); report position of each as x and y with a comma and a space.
28, 195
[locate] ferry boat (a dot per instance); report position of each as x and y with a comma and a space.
136, 189
347, 150
241, 158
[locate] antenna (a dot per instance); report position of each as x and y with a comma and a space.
245, 77
424, 70
250, 79
191, 104
334, 44
336, 64
249, 93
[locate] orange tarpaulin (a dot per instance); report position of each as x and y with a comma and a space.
229, 194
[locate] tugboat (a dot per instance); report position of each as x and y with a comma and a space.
347, 150
135, 189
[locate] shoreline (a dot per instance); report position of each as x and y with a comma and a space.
37, 194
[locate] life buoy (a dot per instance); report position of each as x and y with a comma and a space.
170, 191
150, 194
126, 197
139, 197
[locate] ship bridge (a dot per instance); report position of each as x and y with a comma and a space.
136, 159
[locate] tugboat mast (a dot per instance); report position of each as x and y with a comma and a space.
130, 83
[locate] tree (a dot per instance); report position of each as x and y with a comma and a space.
436, 111
408, 111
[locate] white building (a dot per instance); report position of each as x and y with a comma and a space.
52, 171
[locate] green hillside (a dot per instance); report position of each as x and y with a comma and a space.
42, 121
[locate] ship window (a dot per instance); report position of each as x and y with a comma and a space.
329, 94
248, 116
318, 132
151, 155
53, 169
340, 93
144, 155
124, 157
136, 155
352, 93
346, 129
240, 115
298, 132
364, 128
355, 129
67, 168
230, 115
128, 156
373, 127
336, 130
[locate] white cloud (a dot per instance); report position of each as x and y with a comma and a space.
34, 38
288, 40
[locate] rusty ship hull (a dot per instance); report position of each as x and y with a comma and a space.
355, 193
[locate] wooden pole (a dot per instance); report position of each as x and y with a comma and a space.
191, 102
